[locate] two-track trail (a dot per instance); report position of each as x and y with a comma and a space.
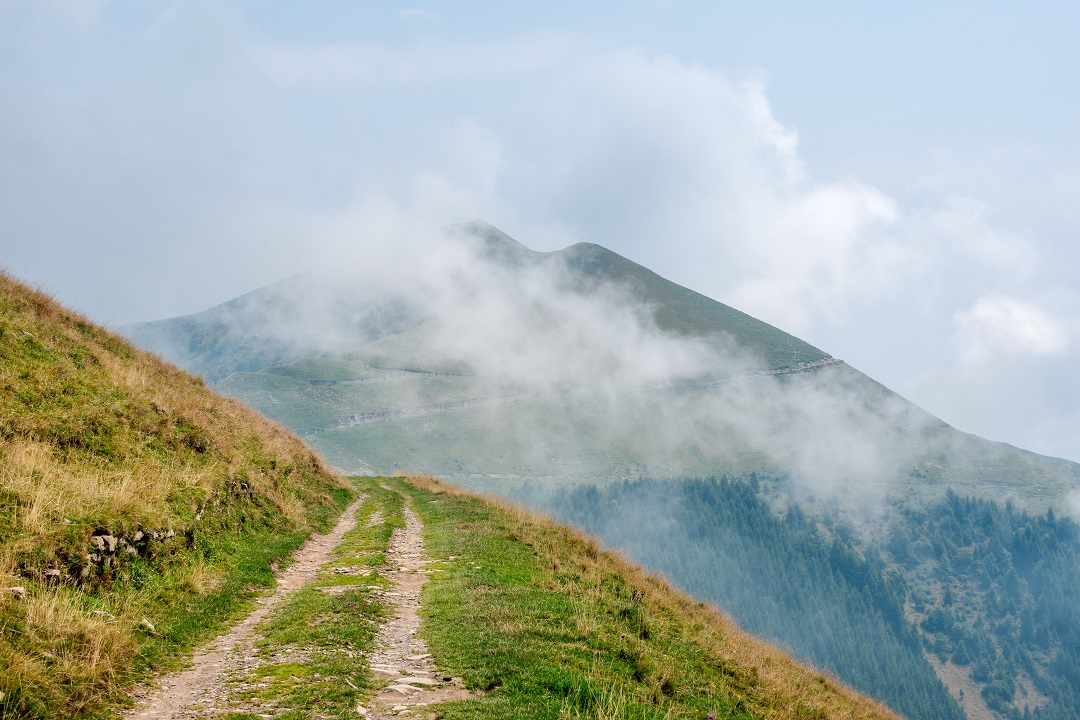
202, 686
398, 656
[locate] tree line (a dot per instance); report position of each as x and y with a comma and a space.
978, 583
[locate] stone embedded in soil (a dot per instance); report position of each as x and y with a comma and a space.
398, 647
338, 589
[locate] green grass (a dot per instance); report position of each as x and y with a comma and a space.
312, 651
188, 617
546, 625
536, 619
196, 595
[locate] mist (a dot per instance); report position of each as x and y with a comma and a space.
554, 360
164, 159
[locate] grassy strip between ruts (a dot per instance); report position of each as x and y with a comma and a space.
311, 658
549, 626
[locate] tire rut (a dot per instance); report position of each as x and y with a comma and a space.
200, 688
399, 654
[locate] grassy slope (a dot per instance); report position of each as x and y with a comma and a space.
192, 497
550, 626
683, 311
535, 619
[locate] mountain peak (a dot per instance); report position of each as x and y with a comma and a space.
492, 243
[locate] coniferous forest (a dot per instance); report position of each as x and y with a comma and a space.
996, 591
977, 584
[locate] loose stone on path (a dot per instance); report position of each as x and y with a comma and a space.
399, 654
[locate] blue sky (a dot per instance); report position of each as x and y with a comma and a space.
897, 184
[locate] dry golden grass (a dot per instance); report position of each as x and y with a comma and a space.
99, 437
90, 649
164, 430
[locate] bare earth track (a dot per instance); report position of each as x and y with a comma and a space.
202, 686
399, 656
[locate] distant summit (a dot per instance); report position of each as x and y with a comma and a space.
492, 243
307, 315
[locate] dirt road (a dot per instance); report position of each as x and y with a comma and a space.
399, 656
202, 685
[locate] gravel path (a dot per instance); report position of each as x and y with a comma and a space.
399, 654
201, 687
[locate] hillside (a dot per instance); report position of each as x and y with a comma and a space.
443, 605
138, 510
141, 514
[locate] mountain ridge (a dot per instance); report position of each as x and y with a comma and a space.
307, 394
214, 342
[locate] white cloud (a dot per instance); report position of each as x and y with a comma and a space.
188, 134
999, 325
687, 170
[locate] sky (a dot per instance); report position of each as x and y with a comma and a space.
898, 185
